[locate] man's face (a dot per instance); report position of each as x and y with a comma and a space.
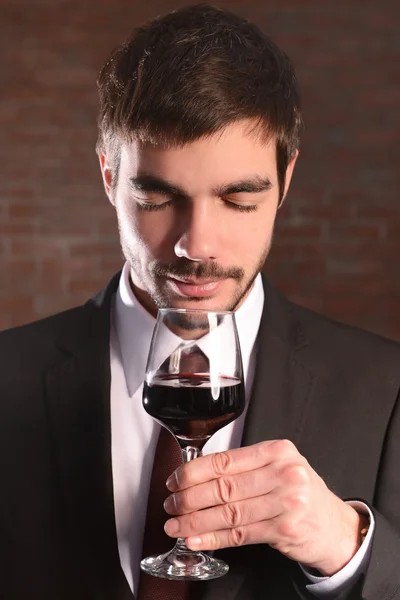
196, 221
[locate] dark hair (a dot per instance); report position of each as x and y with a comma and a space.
192, 72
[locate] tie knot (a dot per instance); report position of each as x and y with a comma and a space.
188, 359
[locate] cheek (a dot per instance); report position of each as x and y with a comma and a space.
153, 233
251, 240
128, 224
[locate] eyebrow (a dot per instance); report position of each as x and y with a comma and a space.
254, 185
151, 183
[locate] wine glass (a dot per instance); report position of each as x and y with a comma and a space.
193, 386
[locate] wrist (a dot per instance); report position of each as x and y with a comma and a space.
345, 548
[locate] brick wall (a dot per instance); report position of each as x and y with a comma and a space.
337, 241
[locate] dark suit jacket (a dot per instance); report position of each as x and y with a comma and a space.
329, 388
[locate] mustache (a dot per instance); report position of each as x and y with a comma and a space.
191, 270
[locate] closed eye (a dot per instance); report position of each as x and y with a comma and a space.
241, 207
154, 207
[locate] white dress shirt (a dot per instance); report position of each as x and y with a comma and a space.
134, 433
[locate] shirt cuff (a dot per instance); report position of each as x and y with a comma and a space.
328, 587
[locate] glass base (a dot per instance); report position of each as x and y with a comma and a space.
184, 565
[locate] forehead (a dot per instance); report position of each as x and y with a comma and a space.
229, 155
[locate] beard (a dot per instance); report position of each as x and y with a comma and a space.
149, 276
152, 282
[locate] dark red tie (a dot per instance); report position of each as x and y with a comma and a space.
167, 458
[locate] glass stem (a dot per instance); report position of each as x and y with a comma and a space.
188, 453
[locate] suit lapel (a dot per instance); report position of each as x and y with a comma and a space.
77, 394
283, 381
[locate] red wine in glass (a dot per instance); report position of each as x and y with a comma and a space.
191, 406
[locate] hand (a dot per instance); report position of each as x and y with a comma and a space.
262, 494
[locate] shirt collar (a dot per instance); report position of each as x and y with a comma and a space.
134, 328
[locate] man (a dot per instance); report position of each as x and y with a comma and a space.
198, 138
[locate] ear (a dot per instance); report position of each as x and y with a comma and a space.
288, 176
107, 174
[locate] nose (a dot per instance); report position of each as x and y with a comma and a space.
199, 236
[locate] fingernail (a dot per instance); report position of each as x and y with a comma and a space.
193, 542
172, 483
169, 504
171, 526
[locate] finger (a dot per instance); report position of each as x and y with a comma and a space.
231, 462
226, 516
255, 533
223, 490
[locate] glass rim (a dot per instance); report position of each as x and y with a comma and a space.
197, 310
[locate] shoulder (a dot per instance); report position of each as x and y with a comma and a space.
33, 343
47, 327
318, 326
345, 344
36, 343
325, 344
302, 327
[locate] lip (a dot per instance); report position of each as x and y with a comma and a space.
192, 289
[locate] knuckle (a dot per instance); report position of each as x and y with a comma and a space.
225, 489
295, 474
193, 522
286, 448
212, 542
297, 501
263, 449
287, 529
232, 515
237, 536
221, 461
183, 502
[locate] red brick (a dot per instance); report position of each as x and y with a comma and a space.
87, 286
298, 230
355, 230
100, 248
379, 211
39, 248
26, 211
22, 304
